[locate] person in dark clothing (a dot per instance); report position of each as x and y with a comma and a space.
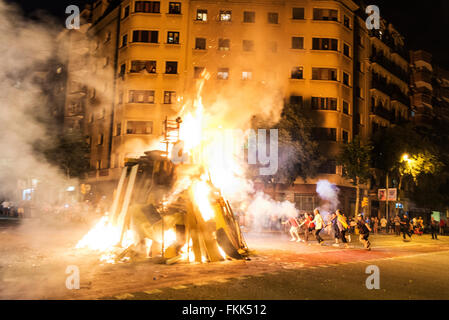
364, 230
434, 228
335, 228
405, 227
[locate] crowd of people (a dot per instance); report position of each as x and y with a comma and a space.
313, 224
341, 228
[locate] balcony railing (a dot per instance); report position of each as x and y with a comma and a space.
423, 76
420, 99
421, 55
390, 89
390, 66
383, 112
387, 39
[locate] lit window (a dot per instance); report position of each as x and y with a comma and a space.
201, 15
169, 97
225, 15
247, 75
223, 73
172, 37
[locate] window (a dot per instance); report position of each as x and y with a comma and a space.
224, 44
147, 6
297, 42
306, 203
324, 44
296, 100
118, 130
273, 46
273, 17
225, 15
140, 65
345, 136
200, 43
298, 13
174, 7
169, 97
297, 73
324, 74
100, 139
325, 14
247, 75
346, 22
122, 71
248, 45
98, 164
346, 50
319, 103
145, 36
141, 96
201, 15
223, 74
197, 71
171, 67
249, 16
126, 12
328, 167
346, 78
173, 37
345, 107
139, 127
124, 40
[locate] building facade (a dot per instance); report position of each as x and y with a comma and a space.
146, 57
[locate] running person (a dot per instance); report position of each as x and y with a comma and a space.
294, 229
364, 230
319, 225
405, 226
342, 225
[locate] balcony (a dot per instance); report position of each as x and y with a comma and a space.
382, 112
421, 55
390, 89
420, 99
388, 40
390, 66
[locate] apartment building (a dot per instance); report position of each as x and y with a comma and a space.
430, 89
315, 54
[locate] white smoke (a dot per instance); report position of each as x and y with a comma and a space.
328, 192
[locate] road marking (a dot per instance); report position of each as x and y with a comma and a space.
222, 280
124, 296
154, 291
202, 283
179, 287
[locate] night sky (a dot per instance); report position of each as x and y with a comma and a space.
425, 24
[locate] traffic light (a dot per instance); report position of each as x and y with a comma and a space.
365, 202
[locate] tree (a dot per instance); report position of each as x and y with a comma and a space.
70, 154
298, 152
355, 157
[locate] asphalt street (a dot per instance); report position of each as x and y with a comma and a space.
35, 257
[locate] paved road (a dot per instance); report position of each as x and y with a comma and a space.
35, 258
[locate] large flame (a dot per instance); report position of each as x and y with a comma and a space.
105, 236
